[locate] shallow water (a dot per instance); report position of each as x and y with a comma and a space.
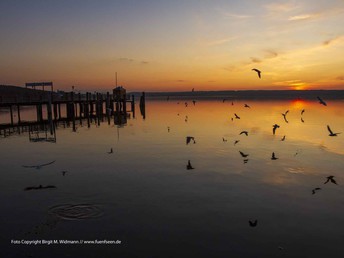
144, 196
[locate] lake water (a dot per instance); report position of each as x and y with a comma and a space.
144, 196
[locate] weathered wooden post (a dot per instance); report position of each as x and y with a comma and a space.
133, 105
73, 111
87, 109
11, 114
18, 111
143, 105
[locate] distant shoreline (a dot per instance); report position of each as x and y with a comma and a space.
8, 93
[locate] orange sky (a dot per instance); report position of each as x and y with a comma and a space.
159, 46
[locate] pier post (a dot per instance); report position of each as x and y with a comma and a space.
11, 113
73, 111
133, 105
18, 110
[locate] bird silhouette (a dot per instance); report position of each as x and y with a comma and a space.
315, 189
224, 140
39, 187
258, 72
186, 104
247, 106
194, 102
253, 223
283, 139
64, 172
168, 129
189, 166
245, 161
302, 120
273, 157
331, 133
285, 116
40, 166
243, 154
189, 139
236, 116
302, 111
111, 151
274, 127
236, 142
244, 132
330, 179
321, 101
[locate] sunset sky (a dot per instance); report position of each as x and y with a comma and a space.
158, 45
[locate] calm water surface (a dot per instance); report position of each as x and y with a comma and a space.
143, 195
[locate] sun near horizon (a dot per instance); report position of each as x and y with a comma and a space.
174, 46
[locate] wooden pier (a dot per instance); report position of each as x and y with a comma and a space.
79, 107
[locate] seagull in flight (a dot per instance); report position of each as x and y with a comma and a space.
285, 116
189, 139
302, 111
243, 154
236, 116
40, 166
111, 151
258, 72
283, 139
321, 101
244, 132
331, 133
330, 179
236, 142
274, 127
39, 187
315, 189
247, 106
224, 140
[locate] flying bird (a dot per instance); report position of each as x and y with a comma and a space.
111, 151
247, 106
331, 133
244, 132
64, 172
40, 166
236, 116
243, 154
283, 139
38, 187
168, 129
315, 189
189, 166
258, 72
273, 157
189, 139
224, 140
285, 116
253, 223
321, 101
236, 142
302, 111
194, 102
302, 120
274, 127
330, 179
245, 161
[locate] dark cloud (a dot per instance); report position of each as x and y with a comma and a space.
255, 60
270, 53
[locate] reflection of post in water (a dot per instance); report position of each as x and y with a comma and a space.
143, 105
39, 132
